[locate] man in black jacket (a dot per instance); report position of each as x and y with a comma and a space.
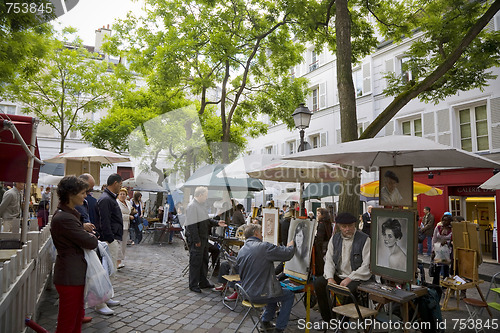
197, 228
110, 217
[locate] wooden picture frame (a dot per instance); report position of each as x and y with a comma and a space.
270, 225
393, 252
396, 186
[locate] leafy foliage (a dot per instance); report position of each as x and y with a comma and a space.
67, 84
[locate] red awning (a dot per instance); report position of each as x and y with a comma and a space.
13, 158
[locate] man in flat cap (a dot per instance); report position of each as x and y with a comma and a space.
347, 262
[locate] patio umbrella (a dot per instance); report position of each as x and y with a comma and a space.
207, 176
144, 184
303, 172
370, 190
321, 190
395, 150
290, 196
242, 165
491, 184
90, 154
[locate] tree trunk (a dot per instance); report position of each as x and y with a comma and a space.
348, 201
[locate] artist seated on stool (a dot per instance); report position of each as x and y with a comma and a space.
347, 262
256, 266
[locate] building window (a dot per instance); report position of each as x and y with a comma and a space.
404, 69
315, 94
8, 109
474, 128
290, 147
314, 61
314, 141
268, 150
357, 78
412, 127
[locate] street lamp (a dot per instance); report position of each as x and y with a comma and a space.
301, 118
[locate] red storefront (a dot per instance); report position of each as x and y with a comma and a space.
462, 196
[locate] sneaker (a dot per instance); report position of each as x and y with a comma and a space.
86, 320
121, 266
232, 297
222, 287
112, 302
104, 310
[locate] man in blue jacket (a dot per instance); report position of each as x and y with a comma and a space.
256, 268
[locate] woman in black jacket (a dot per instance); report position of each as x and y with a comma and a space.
323, 235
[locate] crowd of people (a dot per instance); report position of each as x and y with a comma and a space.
341, 246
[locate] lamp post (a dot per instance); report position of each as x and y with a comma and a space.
302, 118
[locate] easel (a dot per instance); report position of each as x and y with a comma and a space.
298, 283
466, 262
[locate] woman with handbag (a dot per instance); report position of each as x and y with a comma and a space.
441, 244
70, 238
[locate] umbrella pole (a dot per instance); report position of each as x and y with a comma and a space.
27, 190
302, 201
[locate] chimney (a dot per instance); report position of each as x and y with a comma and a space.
99, 38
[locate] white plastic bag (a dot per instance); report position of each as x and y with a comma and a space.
98, 288
442, 253
107, 261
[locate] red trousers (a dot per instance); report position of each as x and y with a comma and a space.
71, 310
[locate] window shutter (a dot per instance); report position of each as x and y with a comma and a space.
495, 123
429, 125
321, 57
445, 139
323, 139
282, 149
367, 83
275, 149
339, 136
443, 120
389, 128
322, 95
490, 27
389, 65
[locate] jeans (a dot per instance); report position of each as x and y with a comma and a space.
286, 307
429, 246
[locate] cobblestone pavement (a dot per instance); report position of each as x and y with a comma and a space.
155, 297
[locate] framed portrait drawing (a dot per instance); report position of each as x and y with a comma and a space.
270, 225
393, 252
396, 186
302, 232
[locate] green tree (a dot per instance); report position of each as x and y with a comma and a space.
235, 54
68, 83
453, 52
23, 38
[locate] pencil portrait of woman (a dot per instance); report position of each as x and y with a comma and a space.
392, 233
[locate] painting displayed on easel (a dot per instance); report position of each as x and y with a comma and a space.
302, 232
393, 252
270, 225
396, 186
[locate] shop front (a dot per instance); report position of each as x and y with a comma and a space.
463, 197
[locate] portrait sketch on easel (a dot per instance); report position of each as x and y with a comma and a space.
302, 232
393, 252
270, 225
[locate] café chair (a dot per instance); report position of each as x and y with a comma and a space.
474, 307
352, 310
230, 278
254, 309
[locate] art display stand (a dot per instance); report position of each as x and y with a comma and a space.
296, 284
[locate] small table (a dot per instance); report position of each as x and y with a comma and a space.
391, 294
